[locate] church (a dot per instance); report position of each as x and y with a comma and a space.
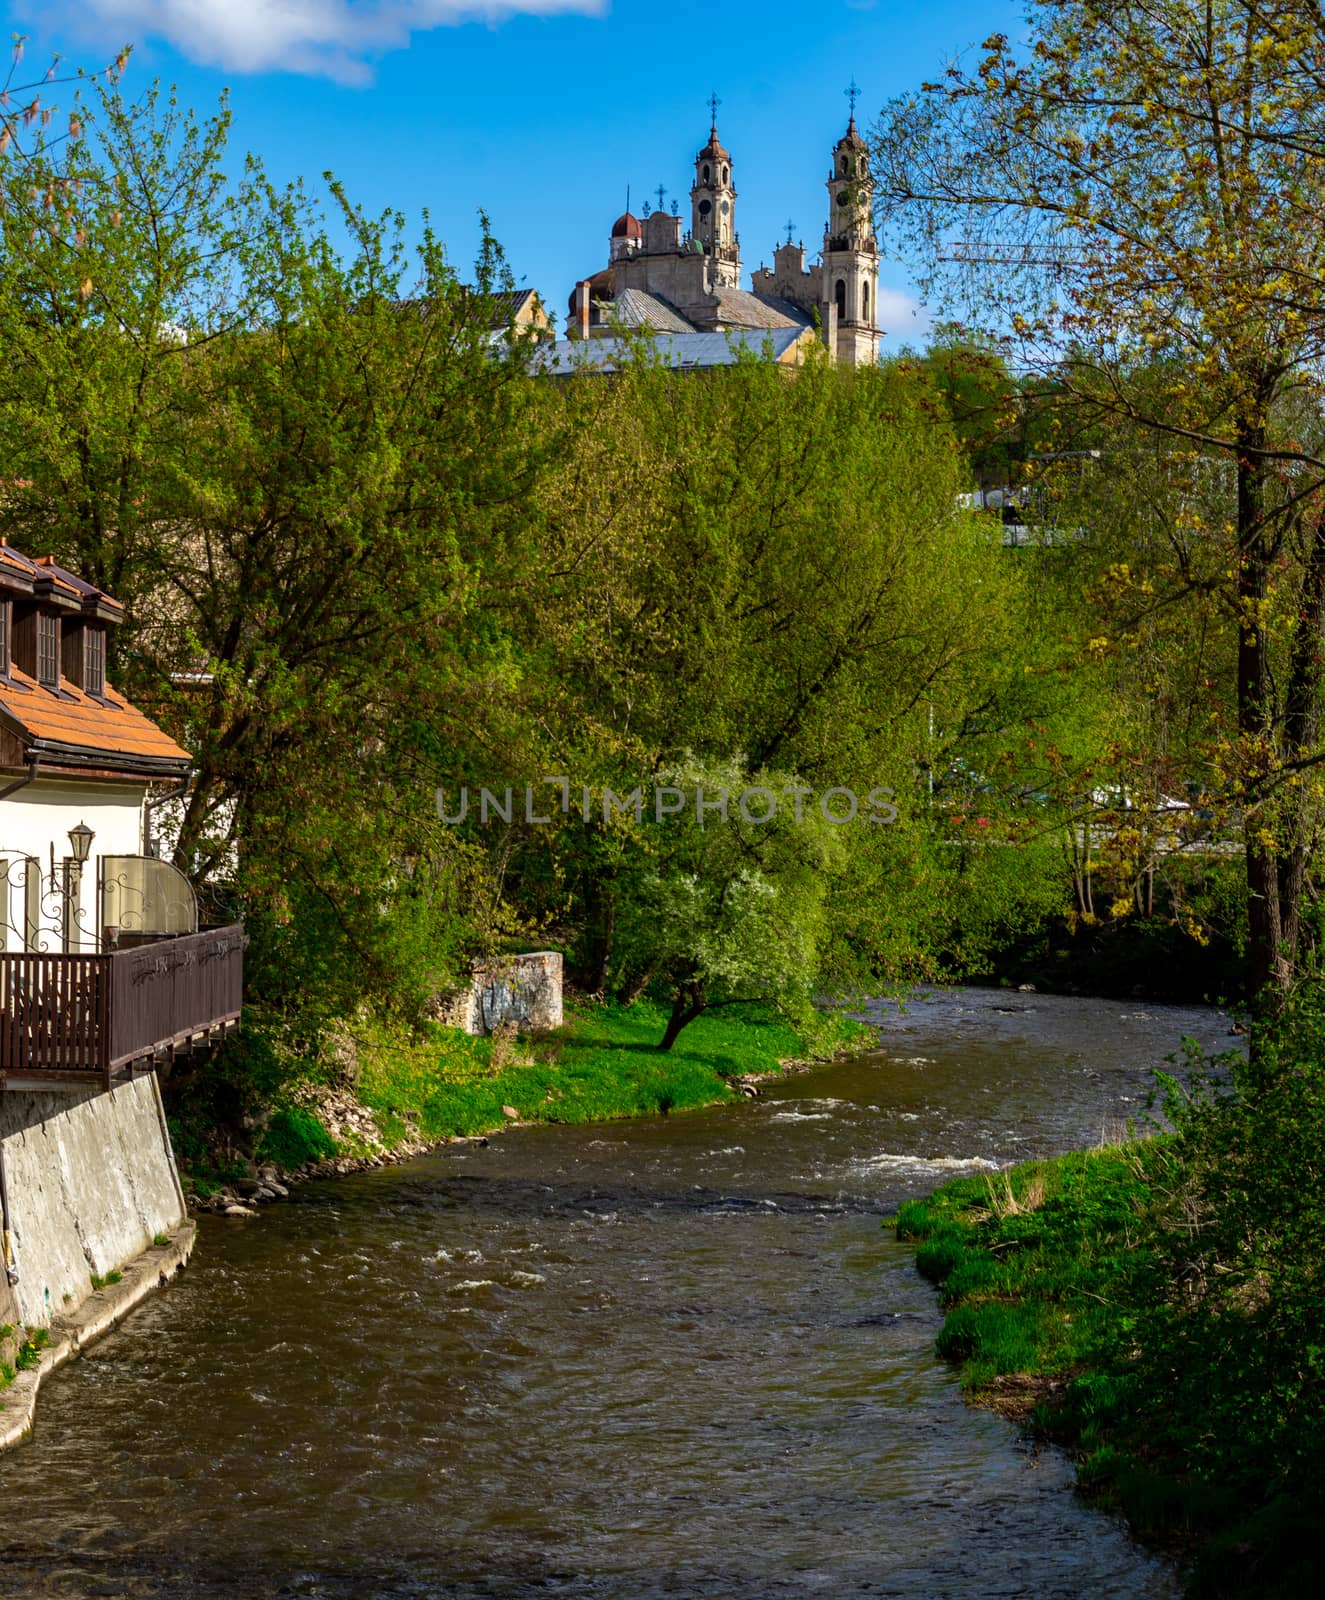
662, 279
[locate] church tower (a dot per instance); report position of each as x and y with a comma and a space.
848, 307
713, 209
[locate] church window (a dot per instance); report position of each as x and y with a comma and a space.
865, 300
841, 293
844, 198
706, 174
725, 208
705, 206
725, 174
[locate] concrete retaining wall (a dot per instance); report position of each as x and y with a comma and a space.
92, 1182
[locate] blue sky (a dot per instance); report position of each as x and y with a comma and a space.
540, 111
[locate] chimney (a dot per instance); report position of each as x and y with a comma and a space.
583, 308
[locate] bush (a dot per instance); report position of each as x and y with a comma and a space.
294, 1137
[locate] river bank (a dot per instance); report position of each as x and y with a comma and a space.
28, 1357
1082, 1300
396, 1096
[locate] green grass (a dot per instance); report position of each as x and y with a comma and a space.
29, 1354
603, 1064
1068, 1305
293, 1137
103, 1280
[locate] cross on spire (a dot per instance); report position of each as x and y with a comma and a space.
714, 103
662, 196
852, 94
790, 227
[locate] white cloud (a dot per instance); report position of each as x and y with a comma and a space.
901, 315
321, 38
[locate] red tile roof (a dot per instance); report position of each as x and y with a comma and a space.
18, 571
75, 720
71, 728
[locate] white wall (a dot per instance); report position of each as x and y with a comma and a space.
92, 1181
41, 814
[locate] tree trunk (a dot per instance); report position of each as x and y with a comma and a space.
603, 966
1301, 733
1268, 963
688, 1005
636, 988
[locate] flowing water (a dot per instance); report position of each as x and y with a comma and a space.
669, 1358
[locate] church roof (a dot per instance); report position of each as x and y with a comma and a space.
627, 226
851, 139
738, 308
788, 308
600, 288
683, 352
636, 309
714, 149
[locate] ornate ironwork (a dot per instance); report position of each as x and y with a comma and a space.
37, 910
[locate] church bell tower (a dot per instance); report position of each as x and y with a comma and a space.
848, 310
713, 208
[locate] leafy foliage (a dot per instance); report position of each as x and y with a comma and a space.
1173, 1289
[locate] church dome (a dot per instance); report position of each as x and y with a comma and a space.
714, 150
627, 226
601, 287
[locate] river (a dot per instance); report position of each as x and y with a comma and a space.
670, 1358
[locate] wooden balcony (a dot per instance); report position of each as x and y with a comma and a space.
79, 1020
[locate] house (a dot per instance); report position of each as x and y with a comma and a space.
515, 312
102, 966
104, 973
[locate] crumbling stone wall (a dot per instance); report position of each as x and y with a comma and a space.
523, 991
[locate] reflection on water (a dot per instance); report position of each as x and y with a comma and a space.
672, 1358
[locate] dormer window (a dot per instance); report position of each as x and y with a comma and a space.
48, 650
94, 661
85, 655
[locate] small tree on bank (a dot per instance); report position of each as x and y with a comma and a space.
726, 900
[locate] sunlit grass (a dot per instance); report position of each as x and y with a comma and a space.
603, 1064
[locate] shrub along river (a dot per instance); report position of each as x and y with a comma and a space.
667, 1358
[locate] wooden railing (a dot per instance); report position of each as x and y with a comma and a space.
64, 1015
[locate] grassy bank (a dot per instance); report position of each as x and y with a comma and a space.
1090, 1297
603, 1064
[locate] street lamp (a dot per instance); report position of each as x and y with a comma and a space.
80, 842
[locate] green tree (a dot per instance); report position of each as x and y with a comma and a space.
743, 565
1136, 198
268, 446
724, 901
